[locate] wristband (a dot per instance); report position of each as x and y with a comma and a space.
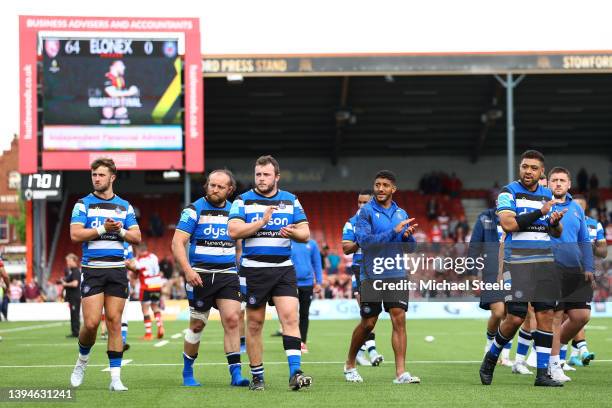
101, 230
122, 232
525, 220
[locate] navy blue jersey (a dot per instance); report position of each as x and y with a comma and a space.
267, 248
210, 247
348, 235
532, 244
106, 251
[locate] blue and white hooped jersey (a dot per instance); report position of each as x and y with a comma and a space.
533, 243
106, 251
267, 248
211, 249
596, 231
348, 234
128, 252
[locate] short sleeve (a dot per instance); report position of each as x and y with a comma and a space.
298, 212
79, 214
188, 221
600, 233
348, 232
506, 202
237, 210
130, 218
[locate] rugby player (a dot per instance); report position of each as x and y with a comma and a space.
103, 222
149, 293
382, 221
524, 209
580, 354
350, 246
210, 273
574, 262
267, 219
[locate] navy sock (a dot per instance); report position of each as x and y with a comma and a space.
257, 371
233, 363
84, 350
498, 344
543, 343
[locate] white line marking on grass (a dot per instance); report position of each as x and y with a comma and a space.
268, 363
123, 363
591, 327
176, 336
161, 343
38, 326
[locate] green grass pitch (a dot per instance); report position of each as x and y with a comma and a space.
448, 367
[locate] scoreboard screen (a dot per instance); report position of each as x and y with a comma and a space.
111, 94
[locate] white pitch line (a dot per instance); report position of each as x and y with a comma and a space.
161, 343
267, 363
176, 336
38, 326
123, 362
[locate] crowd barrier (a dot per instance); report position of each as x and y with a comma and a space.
328, 309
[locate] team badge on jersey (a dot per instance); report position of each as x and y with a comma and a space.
281, 205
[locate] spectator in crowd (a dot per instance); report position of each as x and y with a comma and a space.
51, 292
582, 178
462, 223
443, 222
331, 261
166, 267
71, 283
432, 208
15, 291
32, 292
436, 234
455, 185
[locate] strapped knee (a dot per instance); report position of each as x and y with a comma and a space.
192, 337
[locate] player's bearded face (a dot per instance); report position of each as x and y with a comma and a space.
102, 179
383, 190
530, 172
266, 179
560, 184
218, 188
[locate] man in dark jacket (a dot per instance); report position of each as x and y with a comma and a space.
71, 283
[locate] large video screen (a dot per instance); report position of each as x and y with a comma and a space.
111, 94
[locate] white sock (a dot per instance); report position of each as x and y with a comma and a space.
554, 361
519, 358
115, 374
505, 353
84, 357
574, 352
